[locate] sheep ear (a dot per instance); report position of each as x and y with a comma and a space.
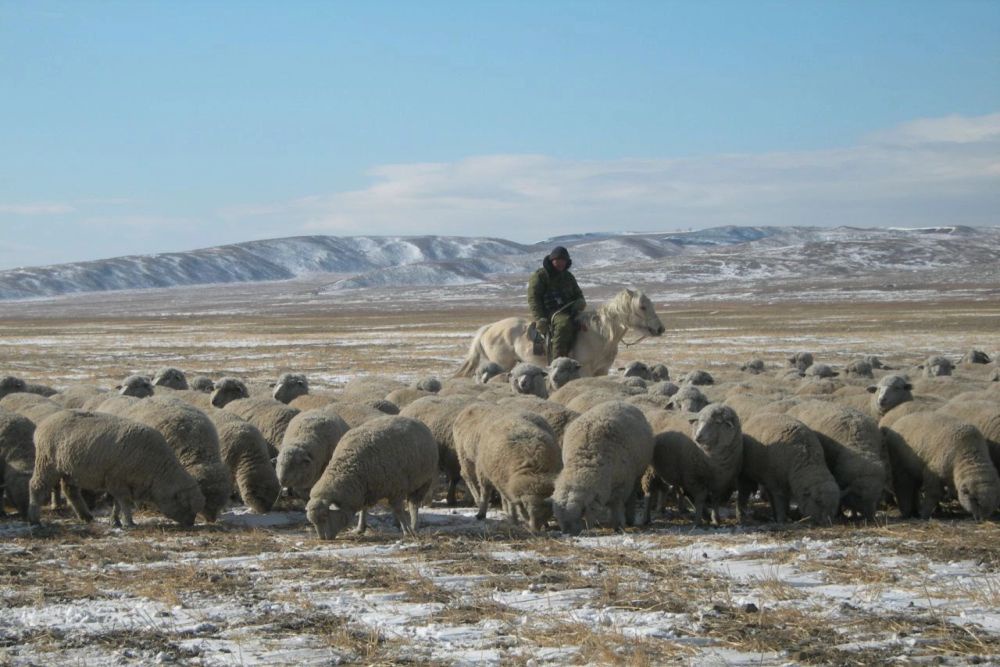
871, 389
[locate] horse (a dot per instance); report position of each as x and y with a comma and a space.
600, 331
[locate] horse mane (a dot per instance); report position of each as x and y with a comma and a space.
603, 319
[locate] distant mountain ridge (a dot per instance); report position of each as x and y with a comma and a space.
356, 262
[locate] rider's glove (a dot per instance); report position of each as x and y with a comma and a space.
542, 326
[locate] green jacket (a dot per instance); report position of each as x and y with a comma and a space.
550, 290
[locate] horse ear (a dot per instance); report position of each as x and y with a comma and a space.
630, 291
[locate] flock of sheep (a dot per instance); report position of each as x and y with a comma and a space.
818, 443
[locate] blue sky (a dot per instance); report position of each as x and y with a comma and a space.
143, 127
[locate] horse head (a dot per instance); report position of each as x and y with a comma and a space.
641, 314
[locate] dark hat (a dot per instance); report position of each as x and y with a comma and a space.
559, 252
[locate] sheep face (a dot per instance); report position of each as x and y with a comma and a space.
328, 519
138, 386
938, 367
261, 496
289, 387
181, 505
538, 509
227, 391
171, 378
980, 496
297, 468
569, 517
716, 424
527, 379
563, 370
891, 391
820, 502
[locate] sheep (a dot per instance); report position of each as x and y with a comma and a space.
689, 399
754, 367
817, 387
820, 371
438, 413
245, 453
718, 432
749, 405
557, 415
975, 357
170, 377
983, 414
487, 370
800, 361
18, 400
784, 456
353, 413
699, 378
637, 369
74, 397
202, 383
937, 366
370, 387
563, 370
36, 411
313, 401
17, 459
227, 390
138, 386
306, 448
605, 452
382, 405
918, 404
664, 388
947, 386
290, 386
529, 379
568, 392
931, 450
854, 452
588, 399
859, 368
268, 415
635, 385
659, 373
646, 402
10, 385
101, 452
512, 452
428, 384
389, 457
406, 395
192, 436
889, 392
678, 463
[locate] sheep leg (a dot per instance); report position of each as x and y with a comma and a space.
746, 489
699, 509
485, 491
39, 489
619, 514
907, 494
362, 522
77, 502
452, 498
779, 505
414, 501
396, 505
122, 508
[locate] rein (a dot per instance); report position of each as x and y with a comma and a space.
635, 342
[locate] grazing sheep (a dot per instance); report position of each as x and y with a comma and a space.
390, 457
859, 368
931, 450
646, 402
138, 386
937, 366
605, 452
306, 448
889, 392
784, 456
382, 405
203, 383
635, 385
750, 405
689, 399
17, 459
659, 373
975, 357
678, 463
267, 414
699, 378
227, 390
557, 415
487, 370
820, 371
290, 386
801, 361
510, 451
170, 377
563, 370
438, 413
918, 404
983, 414
529, 379
428, 384
101, 452
637, 369
874, 361
192, 436
854, 452
14, 402
754, 367
245, 452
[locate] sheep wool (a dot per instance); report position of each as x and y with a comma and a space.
17, 459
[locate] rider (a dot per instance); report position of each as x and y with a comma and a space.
554, 299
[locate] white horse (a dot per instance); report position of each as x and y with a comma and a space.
596, 346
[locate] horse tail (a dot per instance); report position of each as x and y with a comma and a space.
474, 356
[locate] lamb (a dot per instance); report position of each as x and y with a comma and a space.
306, 448
931, 450
245, 453
102, 452
563, 370
638, 369
678, 463
689, 399
268, 415
138, 386
528, 379
800, 361
605, 452
390, 457
438, 413
854, 452
937, 366
659, 373
17, 459
170, 377
557, 416
290, 386
192, 436
784, 456
512, 452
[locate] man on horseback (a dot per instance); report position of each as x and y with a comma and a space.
555, 299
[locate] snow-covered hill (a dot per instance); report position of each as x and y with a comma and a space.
709, 255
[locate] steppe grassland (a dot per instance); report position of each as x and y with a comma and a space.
264, 590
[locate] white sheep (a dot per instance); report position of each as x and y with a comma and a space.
659, 373
74, 397
244, 450
689, 399
699, 378
487, 370
932, 450
306, 448
510, 451
529, 379
859, 368
17, 459
267, 414
202, 383
170, 377
227, 390
784, 456
290, 386
637, 369
563, 370
818, 370
405, 395
557, 415
101, 452
888, 392
984, 414
718, 432
605, 452
854, 451
138, 386
937, 366
800, 361
438, 413
390, 457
